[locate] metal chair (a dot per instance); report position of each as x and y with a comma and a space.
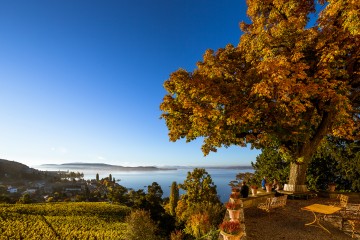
343, 201
353, 218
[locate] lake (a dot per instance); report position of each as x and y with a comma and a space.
141, 179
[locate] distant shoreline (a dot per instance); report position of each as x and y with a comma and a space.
100, 166
103, 166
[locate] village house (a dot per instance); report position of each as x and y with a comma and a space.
12, 189
30, 191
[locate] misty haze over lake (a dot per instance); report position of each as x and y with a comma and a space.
136, 179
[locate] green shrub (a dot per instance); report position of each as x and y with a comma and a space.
140, 226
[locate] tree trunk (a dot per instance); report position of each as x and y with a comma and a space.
297, 174
297, 178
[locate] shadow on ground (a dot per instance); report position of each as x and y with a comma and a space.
289, 223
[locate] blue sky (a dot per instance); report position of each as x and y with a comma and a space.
81, 81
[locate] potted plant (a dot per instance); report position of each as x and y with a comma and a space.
230, 230
332, 187
254, 189
234, 210
235, 197
233, 206
268, 187
235, 190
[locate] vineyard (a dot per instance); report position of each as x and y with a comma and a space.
63, 221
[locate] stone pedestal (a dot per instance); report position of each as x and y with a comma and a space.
254, 191
235, 200
234, 214
295, 188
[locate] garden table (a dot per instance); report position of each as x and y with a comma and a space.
318, 209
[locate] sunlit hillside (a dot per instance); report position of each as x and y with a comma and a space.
63, 221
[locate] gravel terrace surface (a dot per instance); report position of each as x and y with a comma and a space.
289, 223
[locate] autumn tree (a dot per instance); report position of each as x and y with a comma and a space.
285, 86
199, 208
140, 226
199, 188
24, 199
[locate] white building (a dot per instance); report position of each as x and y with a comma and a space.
30, 190
12, 189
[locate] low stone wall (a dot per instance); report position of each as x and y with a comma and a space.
299, 195
253, 201
353, 197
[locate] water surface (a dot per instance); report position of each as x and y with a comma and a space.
141, 179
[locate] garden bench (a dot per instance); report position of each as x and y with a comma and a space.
273, 202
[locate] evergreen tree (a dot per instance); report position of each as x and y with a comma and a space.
174, 198
97, 177
335, 161
154, 204
270, 164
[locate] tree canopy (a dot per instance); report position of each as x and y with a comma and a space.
286, 85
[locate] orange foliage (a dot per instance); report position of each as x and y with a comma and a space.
285, 85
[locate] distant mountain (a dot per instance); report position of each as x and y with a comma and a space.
101, 166
104, 166
213, 167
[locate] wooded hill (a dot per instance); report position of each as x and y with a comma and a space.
11, 170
